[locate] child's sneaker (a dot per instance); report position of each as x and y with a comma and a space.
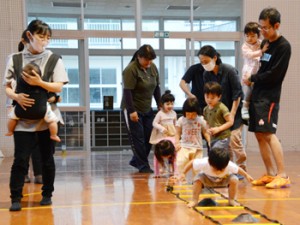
279, 182
245, 113
265, 179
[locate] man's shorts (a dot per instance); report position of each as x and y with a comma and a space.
263, 116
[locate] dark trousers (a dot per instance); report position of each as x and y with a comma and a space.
36, 160
25, 142
139, 136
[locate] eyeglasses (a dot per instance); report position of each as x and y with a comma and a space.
266, 29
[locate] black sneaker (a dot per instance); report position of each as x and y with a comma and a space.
46, 201
146, 170
15, 206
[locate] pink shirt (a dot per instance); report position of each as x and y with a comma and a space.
251, 55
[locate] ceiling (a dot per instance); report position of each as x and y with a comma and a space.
126, 8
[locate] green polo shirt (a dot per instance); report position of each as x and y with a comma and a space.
215, 118
142, 84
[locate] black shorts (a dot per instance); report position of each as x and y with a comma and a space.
263, 116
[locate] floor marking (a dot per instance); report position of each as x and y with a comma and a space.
33, 193
230, 216
201, 195
249, 223
220, 207
177, 190
99, 204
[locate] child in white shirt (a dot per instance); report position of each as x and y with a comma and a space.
216, 170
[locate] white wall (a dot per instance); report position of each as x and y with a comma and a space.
11, 27
289, 118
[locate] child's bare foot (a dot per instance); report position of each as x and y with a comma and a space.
233, 202
9, 133
55, 138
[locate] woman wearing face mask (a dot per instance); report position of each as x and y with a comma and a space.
29, 132
227, 76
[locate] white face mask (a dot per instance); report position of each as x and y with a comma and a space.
209, 66
38, 45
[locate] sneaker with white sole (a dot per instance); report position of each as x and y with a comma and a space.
245, 113
265, 179
279, 182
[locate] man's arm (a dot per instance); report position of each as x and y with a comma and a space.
186, 89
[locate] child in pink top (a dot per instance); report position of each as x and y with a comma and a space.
164, 126
252, 51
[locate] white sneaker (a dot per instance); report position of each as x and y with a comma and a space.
245, 113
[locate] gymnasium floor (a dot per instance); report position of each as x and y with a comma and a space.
102, 189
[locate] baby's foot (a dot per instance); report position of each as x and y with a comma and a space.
233, 202
9, 133
55, 138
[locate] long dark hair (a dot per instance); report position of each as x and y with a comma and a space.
39, 27
25, 39
210, 51
145, 51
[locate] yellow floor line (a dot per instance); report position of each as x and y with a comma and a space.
182, 186
229, 216
248, 223
33, 193
201, 195
220, 208
100, 204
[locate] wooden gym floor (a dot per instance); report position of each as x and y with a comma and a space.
102, 188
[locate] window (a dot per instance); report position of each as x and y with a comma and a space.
218, 25
58, 23
105, 80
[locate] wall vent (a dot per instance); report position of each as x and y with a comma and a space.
68, 4
181, 7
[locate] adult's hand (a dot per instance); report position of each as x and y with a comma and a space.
34, 79
245, 79
134, 117
24, 101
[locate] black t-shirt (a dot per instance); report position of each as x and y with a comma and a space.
274, 64
195, 75
230, 82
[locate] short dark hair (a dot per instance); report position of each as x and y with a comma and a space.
218, 158
167, 97
252, 27
212, 87
191, 105
210, 51
272, 14
32, 66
